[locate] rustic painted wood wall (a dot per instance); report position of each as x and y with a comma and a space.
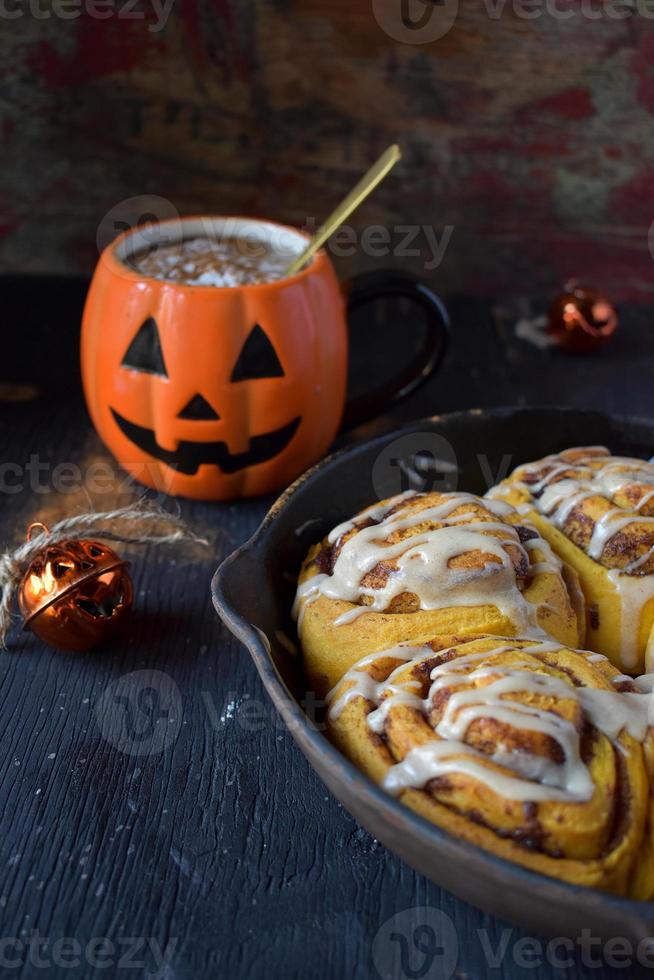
527, 128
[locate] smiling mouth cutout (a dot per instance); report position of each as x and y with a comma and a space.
190, 455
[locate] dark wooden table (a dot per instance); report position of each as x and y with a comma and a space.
212, 850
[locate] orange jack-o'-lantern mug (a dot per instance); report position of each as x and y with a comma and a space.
222, 391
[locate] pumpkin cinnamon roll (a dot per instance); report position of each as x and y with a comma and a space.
523, 747
597, 513
422, 564
642, 883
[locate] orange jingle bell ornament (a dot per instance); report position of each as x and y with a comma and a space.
581, 319
75, 594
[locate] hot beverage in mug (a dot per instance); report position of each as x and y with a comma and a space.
215, 389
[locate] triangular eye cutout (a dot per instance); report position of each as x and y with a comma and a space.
144, 353
198, 409
257, 358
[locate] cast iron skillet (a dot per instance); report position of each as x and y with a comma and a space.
253, 591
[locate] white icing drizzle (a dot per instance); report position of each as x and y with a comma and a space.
551, 564
363, 685
523, 776
425, 762
306, 593
645, 683
423, 561
600, 474
375, 513
634, 593
613, 712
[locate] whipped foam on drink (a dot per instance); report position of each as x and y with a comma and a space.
204, 261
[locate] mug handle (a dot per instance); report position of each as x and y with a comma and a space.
371, 286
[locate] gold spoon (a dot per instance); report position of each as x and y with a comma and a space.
368, 182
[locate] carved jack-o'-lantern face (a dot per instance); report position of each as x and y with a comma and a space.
214, 392
257, 360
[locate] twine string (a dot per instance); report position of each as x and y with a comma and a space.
148, 516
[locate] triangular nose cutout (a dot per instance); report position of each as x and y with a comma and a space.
199, 410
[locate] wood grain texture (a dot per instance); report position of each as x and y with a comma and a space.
527, 134
221, 848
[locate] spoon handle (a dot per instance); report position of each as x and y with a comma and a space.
368, 182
